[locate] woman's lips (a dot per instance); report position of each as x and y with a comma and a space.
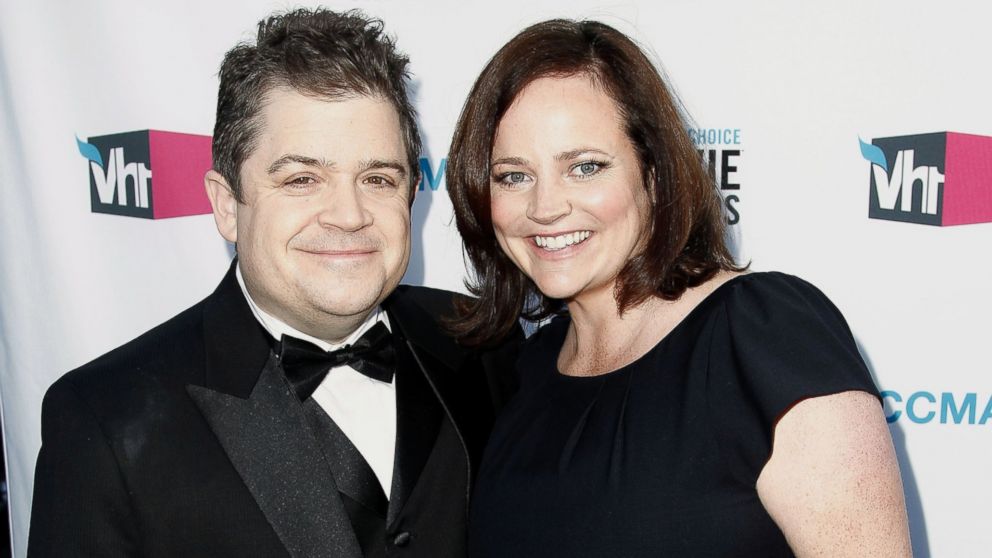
561, 241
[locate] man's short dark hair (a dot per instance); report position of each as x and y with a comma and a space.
325, 54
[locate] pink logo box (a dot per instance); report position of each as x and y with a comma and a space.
967, 180
178, 163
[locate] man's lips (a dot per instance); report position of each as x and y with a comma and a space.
341, 253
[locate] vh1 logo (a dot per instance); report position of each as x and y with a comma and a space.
942, 178
149, 173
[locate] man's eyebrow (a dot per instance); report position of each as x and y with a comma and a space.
301, 159
509, 161
375, 164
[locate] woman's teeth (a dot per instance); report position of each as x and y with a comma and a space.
553, 243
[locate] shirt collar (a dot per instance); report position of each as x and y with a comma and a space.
277, 328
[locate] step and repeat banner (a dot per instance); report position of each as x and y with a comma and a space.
852, 142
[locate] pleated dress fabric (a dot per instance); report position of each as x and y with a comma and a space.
660, 457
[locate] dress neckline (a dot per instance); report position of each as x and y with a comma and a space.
708, 300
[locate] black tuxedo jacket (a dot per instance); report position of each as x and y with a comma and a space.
187, 442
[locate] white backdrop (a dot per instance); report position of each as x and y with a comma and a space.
797, 83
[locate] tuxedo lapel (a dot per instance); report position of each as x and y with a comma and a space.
439, 359
270, 445
260, 424
352, 474
418, 419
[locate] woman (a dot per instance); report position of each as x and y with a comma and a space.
679, 407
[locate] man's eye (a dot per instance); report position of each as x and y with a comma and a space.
379, 181
300, 181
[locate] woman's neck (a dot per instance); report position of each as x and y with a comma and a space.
600, 339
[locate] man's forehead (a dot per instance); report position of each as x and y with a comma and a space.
328, 131
285, 103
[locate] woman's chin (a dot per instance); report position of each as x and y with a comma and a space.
569, 287
557, 289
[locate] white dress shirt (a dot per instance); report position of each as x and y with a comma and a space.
362, 407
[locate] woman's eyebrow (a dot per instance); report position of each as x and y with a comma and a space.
509, 161
573, 153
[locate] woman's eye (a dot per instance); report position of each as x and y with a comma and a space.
587, 168
513, 178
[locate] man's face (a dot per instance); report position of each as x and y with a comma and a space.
323, 233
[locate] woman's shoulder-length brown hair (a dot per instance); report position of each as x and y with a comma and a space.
686, 242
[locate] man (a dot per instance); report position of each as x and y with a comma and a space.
221, 432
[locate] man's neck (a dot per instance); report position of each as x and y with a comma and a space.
344, 331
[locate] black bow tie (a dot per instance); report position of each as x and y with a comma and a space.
306, 364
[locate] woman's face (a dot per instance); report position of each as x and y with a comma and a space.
568, 200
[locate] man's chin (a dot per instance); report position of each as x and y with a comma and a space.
346, 294
347, 308
349, 299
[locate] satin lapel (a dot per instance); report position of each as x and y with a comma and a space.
237, 345
442, 363
418, 419
469, 386
436, 354
269, 443
352, 473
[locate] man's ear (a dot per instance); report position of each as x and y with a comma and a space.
224, 203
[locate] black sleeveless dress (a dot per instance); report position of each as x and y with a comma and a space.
660, 457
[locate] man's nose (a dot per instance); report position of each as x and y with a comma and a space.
344, 208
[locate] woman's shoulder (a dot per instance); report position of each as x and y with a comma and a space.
781, 339
773, 298
783, 317
776, 340
768, 284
